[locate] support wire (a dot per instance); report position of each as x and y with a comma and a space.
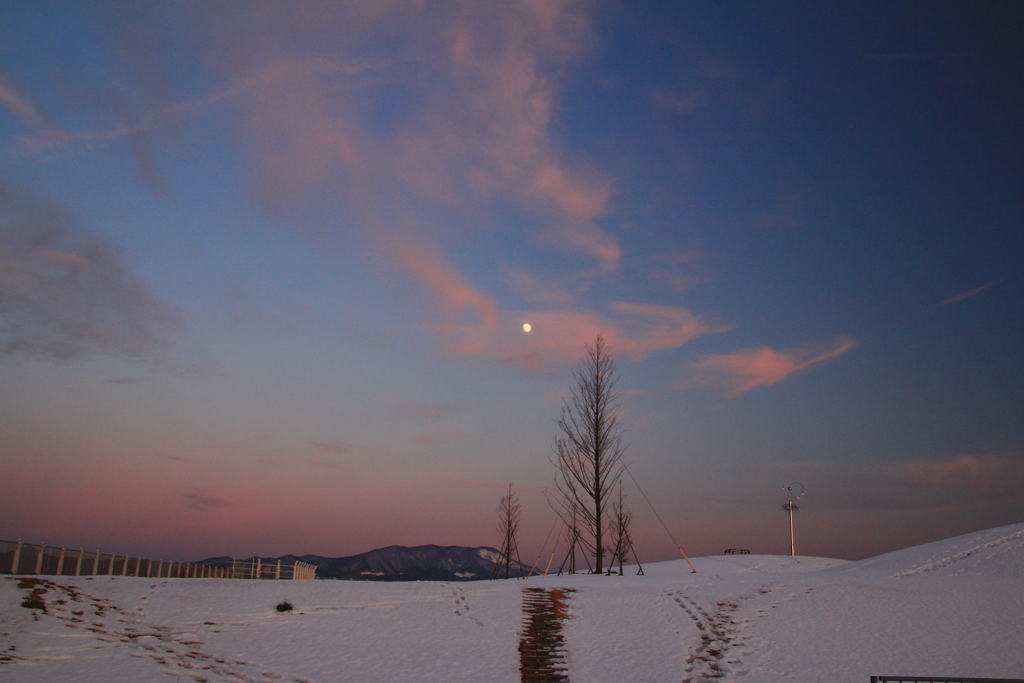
664, 526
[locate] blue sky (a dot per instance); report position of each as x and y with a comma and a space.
264, 269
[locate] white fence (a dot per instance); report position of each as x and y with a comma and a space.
25, 558
256, 568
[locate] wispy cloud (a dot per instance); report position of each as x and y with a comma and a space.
438, 436
426, 410
334, 449
472, 91
458, 299
25, 110
65, 293
329, 448
632, 330
747, 369
417, 113
956, 298
50, 139
200, 501
675, 269
987, 472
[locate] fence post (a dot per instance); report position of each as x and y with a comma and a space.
17, 558
124, 569
78, 564
277, 574
39, 558
96, 564
138, 566
60, 561
258, 571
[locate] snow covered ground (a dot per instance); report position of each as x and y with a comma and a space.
951, 608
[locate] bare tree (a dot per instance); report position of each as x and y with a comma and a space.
589, 450
622, 523
509, 510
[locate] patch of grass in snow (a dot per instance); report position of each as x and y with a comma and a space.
34, 600
285, 606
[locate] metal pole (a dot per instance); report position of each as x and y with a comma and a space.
792, 542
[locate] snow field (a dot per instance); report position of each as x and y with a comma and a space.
950, 608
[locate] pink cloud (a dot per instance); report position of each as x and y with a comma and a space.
485, 78
632, 331
956, 298
24, 109
962, 472
424, 410
675, 269
580, 201
454, 294
201, 501
329, 448
746, 369
339, 467
472, 324
438, 436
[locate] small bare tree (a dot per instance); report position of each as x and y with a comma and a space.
509, 510
589, 450
622, 523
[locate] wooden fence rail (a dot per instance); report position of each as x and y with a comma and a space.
26, 558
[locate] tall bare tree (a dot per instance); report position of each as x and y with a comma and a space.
509, 510
588, 452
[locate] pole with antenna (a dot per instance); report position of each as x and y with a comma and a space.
791, 507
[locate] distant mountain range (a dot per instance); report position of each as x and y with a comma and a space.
399, 563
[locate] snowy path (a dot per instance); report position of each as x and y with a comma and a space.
950, 608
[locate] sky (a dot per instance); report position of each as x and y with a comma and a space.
265, 270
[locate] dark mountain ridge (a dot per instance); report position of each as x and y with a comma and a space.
401, 563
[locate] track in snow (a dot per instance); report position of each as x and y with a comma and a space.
542, 647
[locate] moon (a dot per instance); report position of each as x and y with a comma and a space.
526, 327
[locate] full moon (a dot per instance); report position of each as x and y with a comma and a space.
526, 327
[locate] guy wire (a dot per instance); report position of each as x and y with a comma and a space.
664, 526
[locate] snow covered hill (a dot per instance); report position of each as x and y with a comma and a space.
951, 608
